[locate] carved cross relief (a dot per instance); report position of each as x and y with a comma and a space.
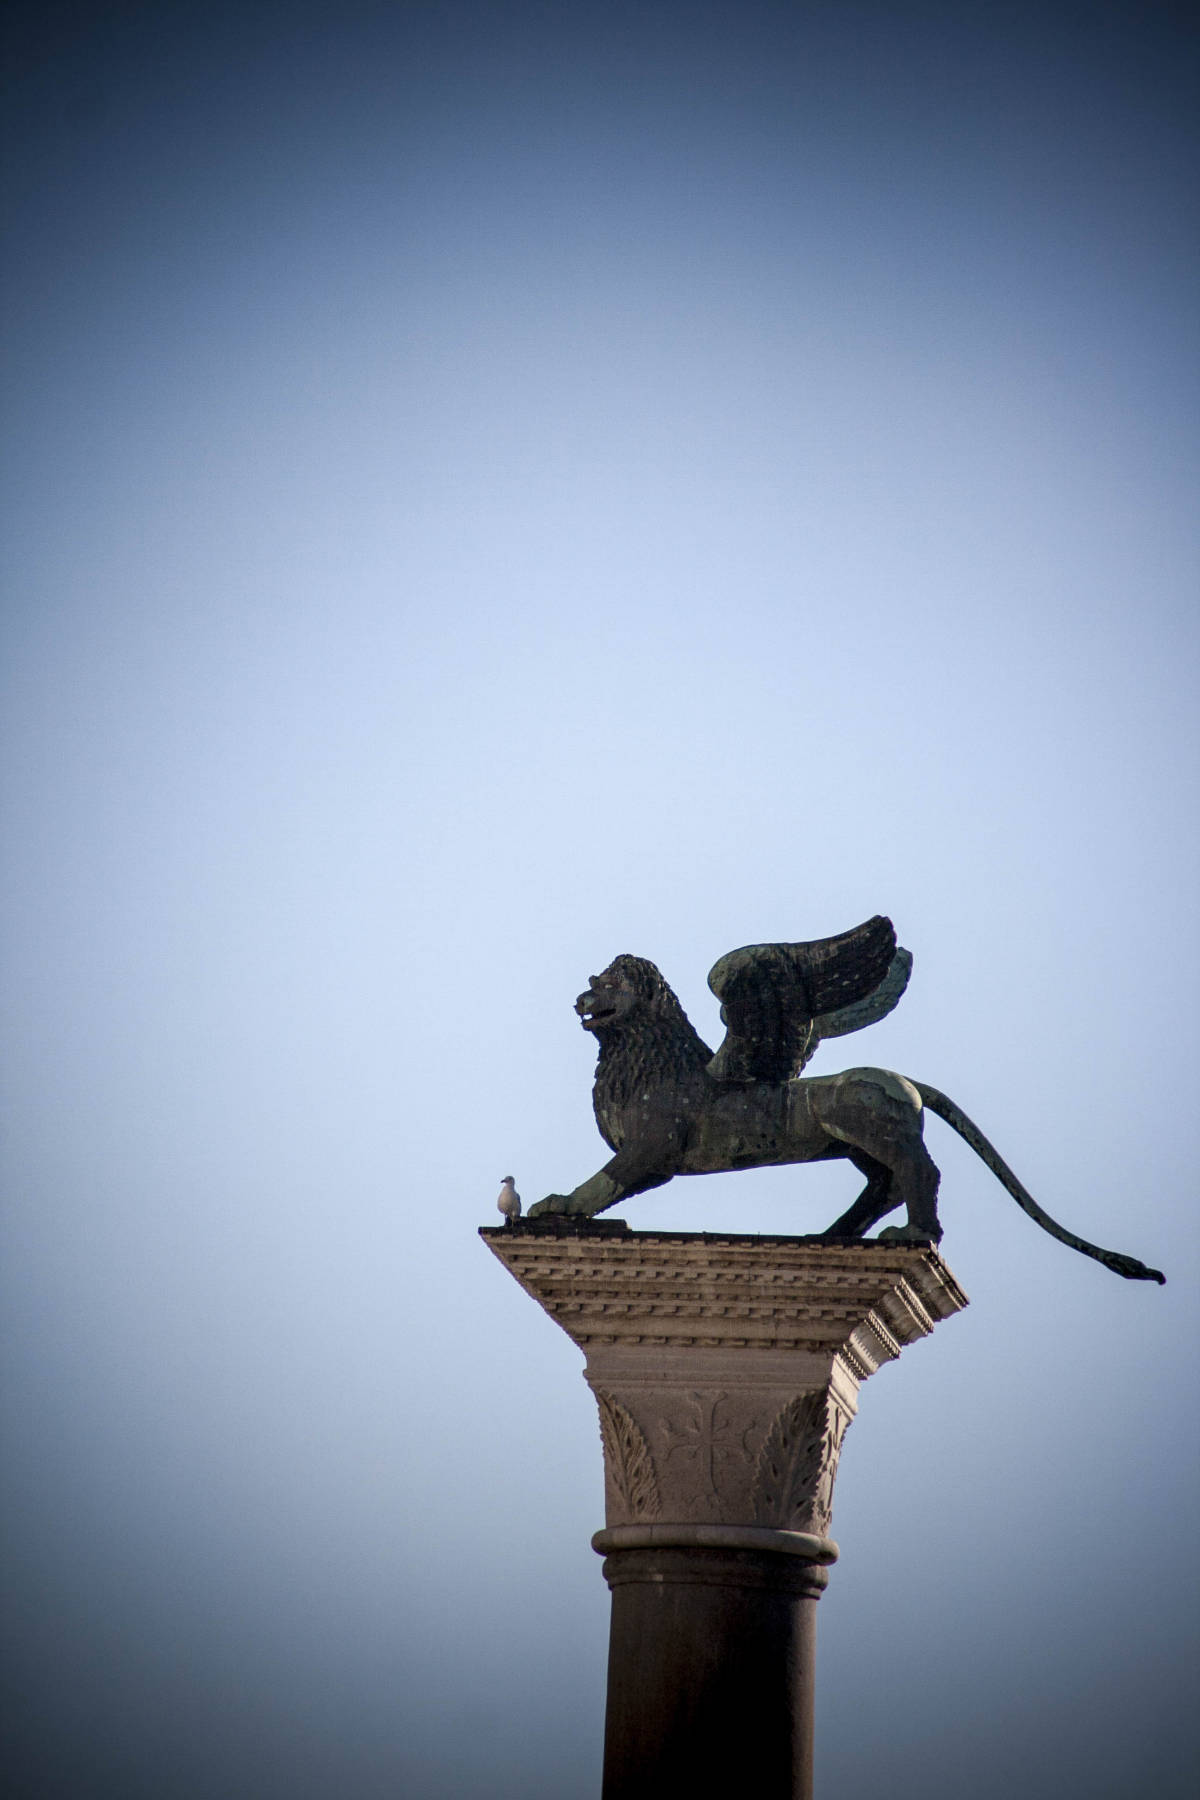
707, 1438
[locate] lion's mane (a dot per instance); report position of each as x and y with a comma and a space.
653, 1047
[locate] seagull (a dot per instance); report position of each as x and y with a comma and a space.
509, 1201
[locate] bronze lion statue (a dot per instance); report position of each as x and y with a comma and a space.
666, 1106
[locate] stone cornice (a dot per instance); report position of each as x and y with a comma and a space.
605, 1286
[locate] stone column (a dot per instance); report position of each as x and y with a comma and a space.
726, 1370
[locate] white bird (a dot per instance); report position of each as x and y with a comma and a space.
509, 1201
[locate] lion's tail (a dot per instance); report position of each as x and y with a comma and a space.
944, 1107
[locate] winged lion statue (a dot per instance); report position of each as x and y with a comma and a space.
666, 1106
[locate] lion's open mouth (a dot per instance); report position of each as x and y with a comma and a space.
592, 1009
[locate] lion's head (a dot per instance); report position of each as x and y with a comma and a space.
647, 1042
629, 984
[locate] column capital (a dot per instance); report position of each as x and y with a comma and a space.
726, 1366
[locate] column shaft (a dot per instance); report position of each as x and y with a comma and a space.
711, 1666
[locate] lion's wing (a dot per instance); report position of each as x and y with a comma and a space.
772, 995
877, 1004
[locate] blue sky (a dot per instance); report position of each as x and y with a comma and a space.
490, 487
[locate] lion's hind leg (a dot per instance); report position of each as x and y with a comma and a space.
879, 1114
873, 1204
915, 1182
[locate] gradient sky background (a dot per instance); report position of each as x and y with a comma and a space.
489, 487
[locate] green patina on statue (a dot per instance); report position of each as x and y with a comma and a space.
667, 1106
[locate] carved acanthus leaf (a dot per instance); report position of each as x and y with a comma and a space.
627, 1461
793, 1482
